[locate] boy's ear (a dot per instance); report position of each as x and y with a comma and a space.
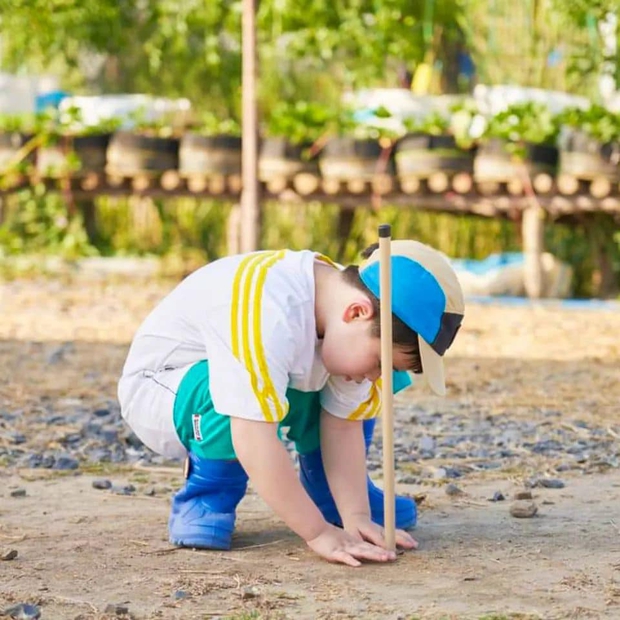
360, 309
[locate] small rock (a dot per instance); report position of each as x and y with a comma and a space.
18, 493
249, 592
66, 463
23, 611
550, 483
180, 595
117, 610
102, 484
128, 489
8, 554
427, 444
18, 438
523, 510
523, 495
452, 490
498, 496
101, 413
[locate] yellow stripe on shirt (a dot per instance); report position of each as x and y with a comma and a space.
370, 407
268, 391
246, 305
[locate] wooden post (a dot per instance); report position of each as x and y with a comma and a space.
533, 227
387, 413
250, 233
89, 215
233, 230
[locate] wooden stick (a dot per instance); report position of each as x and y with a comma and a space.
385, 293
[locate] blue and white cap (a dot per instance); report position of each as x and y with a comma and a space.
426, 296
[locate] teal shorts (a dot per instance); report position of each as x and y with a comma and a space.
206, 432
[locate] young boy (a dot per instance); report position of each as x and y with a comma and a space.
252, 343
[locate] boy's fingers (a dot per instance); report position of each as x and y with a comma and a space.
372, 552
346, 558
403, 539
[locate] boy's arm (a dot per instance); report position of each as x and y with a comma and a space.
344, 459
271, 471
269, 467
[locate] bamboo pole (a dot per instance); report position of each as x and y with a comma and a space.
387, 413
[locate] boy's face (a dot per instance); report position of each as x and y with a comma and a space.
351, 351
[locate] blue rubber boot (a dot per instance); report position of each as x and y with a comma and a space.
203, 511
314, 481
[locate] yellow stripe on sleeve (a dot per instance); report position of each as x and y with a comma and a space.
370, 407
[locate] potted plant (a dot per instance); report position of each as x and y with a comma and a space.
361, 147
69, 146
291, 138
437, 143
212, 147
150, 146
590, 143
523, 136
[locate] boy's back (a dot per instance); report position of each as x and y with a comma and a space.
253, 317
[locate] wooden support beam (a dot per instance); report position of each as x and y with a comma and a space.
235, 183
170, 180
197, 184
306, 183
600, 187
462, 183
543, 183
533, 225
568, 184
438, 182
409, 185
217, 184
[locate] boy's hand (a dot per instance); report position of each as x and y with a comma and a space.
362, 527
337, 545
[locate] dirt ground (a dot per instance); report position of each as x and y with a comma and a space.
82, 551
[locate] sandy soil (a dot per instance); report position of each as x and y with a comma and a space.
82, 550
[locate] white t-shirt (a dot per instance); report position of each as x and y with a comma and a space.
253, 317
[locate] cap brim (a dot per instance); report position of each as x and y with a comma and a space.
432, 365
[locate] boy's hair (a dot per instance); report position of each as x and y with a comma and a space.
403, 336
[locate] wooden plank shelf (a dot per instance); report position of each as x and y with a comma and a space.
459, 193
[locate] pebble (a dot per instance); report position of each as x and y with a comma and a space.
498, 496
519, 495
550, 483
102, 484
453, 490
18, 493
249, 592
180, 595
116, 610
23, 611
8, 554
127, 489
523, 509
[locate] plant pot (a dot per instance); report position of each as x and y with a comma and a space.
209, 155
347, 159
132, 153
10, 145
279, 158
73, 154
583, 157
420, 155
495, 162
